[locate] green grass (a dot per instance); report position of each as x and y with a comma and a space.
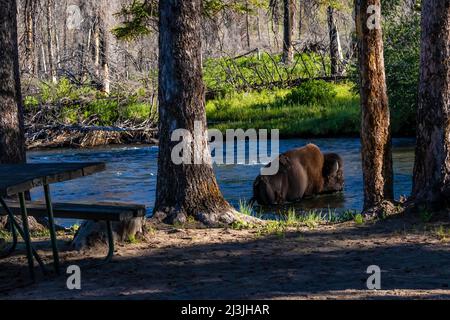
272, 110
443, 233
5, 234
246, 209
359, 219
80, 103
291, 219
132, 240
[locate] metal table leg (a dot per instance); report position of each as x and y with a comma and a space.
17, 228
110, 241
35, 254
12, 227
26, 234
51, 222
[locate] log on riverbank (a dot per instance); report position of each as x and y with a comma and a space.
78, 136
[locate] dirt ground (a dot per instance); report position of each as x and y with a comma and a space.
329, 262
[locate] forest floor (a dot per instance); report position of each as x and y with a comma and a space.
328, 262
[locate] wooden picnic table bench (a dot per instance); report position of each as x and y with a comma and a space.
102, 211
16, 179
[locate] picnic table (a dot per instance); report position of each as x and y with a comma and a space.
17, 179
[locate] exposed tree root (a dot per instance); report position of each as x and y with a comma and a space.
215, 218
382, 210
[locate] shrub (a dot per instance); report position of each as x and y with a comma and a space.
402, 55
137, 111
30, 102
315, 92
106, 110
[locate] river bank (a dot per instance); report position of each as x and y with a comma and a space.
328, 262
131, 174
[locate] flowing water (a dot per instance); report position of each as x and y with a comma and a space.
131, 174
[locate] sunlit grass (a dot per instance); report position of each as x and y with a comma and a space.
442, 233
268, 110
293, 219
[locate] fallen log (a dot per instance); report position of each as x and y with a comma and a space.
78, 136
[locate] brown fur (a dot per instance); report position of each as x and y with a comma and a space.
302, 172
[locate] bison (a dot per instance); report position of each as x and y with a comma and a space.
303, 172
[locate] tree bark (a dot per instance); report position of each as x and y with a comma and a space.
335, 45
104, 47
288, 31
300, 19
97, 47
375, 126
247, 24
12, 140
185, 189
431, 185
50, 46
30, 36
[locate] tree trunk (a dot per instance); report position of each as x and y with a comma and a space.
12, 140
97, 47
50, 47
375, 126
431, 185
104, 48
300, 19
335, 45
247, 24
258, 25
288, 31
30, 40
185, 189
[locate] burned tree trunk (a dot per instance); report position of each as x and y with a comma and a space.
184, 189
103, 45
431, 185
288, 31
247, 25
30, 36
335, 45
375, 125
300, 18
50, 45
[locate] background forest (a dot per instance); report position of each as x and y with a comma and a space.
267, 64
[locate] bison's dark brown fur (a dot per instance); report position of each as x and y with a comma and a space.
302, 172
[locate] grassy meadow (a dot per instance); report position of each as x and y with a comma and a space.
336, 114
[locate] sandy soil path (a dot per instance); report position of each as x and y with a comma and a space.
329, 262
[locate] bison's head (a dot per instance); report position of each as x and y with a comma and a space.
333, 173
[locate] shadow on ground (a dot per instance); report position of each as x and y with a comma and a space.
298, 265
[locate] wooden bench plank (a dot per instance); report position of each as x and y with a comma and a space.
105, 211
15, 178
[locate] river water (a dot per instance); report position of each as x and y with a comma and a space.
131, 174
